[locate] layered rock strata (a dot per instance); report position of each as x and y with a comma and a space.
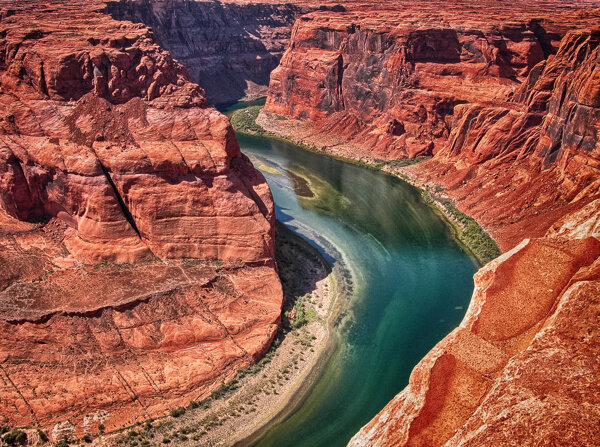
465, 84
517, 168
505, 102
136, 241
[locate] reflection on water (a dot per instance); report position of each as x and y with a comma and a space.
412, 283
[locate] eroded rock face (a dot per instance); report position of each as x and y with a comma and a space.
229, 48
519, 167
522, 366
464, 85
136, 241
507, 107
388, 77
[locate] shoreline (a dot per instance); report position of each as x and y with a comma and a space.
467, 232
259, 397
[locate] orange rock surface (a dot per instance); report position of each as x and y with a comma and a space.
117, 177
467, 84
519, 167
504, 99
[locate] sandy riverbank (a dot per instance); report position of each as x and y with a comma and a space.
262, 394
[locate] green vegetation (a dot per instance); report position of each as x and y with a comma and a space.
304, 313
244, 121
86, 438
177, 412
15, 437
42, 435
403, 162
467, 230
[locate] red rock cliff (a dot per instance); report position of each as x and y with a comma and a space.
136, 241
518, 167
466, 83
505, 100
521, 369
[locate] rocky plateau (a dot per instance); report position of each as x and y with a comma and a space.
136, 241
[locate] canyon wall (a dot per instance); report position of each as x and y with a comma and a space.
465, 84
519, 167
229, 48
522, 367
136, 241
504, 102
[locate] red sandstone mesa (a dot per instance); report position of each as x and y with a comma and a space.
113, 171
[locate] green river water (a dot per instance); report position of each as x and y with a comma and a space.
411, 283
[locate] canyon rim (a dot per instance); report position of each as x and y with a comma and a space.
137, 261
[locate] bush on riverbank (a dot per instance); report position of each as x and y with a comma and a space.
467, 229
244, 120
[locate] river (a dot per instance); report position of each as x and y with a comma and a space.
411, 283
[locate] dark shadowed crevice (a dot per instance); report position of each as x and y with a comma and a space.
124, 208
228, 49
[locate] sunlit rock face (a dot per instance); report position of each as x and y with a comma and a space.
501, 96
136, 241
521, 368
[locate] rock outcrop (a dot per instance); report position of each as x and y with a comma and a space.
136, 241
520, 166
522, 367
229, 48
504, 101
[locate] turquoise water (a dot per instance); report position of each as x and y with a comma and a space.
411, 283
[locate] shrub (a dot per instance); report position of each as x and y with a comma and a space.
177, 412
15, 437
87, 438
244, 120
42, 435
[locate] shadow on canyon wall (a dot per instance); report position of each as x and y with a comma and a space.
228, 49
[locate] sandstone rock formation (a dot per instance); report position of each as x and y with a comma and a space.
136, 241
521, 369
229, 48
467, 84
504, 99
517, 167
